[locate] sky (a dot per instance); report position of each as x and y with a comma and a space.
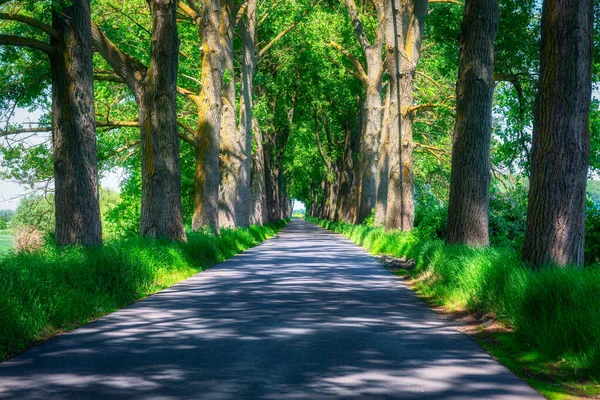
11, 192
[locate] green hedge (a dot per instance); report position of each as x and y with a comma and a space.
555, 311
57, 289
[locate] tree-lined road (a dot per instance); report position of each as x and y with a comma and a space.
306, 314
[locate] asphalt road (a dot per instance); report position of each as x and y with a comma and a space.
305, 315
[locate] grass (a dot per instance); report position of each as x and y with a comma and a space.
552, 317
6, 240
58, 289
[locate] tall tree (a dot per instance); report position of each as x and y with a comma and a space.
561, 136
161, 179
468, 207
231, 147
154, 89
69, 49
206, 181
371, 79
404, 25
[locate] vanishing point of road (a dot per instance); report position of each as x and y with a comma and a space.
305, 315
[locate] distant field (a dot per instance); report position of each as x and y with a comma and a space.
6, 240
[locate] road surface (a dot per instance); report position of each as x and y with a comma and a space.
305, 315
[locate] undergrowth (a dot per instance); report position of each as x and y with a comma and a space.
554, 312
57, 289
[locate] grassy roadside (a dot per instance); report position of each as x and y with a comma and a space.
54, 290
547, 327
6, 240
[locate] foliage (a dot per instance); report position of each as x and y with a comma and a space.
46, 292
592, 233
35, 211
554, 311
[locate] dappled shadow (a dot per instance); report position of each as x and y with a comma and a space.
304, 315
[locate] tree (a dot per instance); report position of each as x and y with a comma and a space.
206, 193
470, 176
371, 79
561, 137
73, 118
155, 91
404, 25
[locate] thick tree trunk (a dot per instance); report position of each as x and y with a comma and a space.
245, 129
561, 137
468, 207
258, 200
383, 166
404, 26
74, 135
349, 181
154, 89
334, 191
206, 180
271, 179
231, 153
370, 136
161, 177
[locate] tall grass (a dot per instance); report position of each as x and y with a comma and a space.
555, 311
57, 289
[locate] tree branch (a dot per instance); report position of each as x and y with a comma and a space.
31, 22
359, 30
359, 67
20, 41
190, 12
128, 68
286, 30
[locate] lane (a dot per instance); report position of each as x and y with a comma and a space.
305, 315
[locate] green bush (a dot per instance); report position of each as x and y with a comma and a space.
592, 234
555, 311
57, 289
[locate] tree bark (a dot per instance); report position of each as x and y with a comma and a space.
74, 135
161, 187
161, 176
470, 176
350, 178
258, 201
404, 26
206, 180
372, 110
272, 178
246, 125
231, 152
561, 137
370, 135
383, 166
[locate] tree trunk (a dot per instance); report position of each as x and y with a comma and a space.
245, 129
382, 166
468, 207
74, 134
231, 153
206, 180
404, 25
161, 177
561, 137
371, 132
271, 178
154, 89
334, 192
349, 181
258, 200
